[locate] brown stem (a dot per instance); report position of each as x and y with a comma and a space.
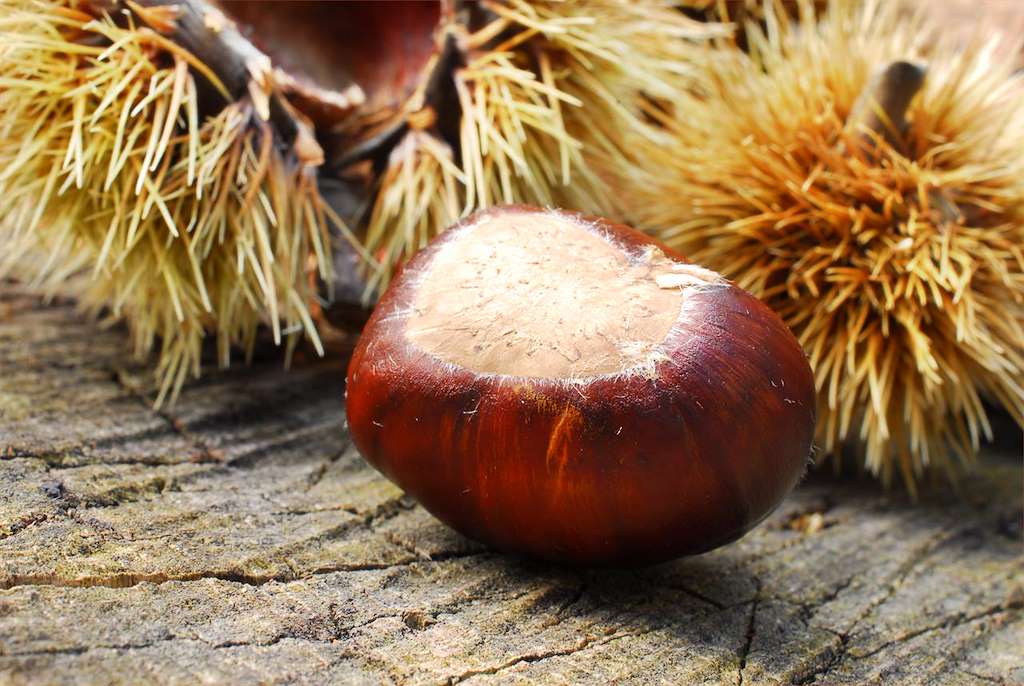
882, 107
213, 39
220, 46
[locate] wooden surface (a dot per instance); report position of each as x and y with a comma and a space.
238, 538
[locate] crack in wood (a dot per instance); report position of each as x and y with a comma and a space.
316, 476
697, 595
585, 643
374, 566
407, 546
836, 655
203, 452
576, 597
954, 621
128, 647
983, 677
807, 607
59, 464
751, 629
26, 521
129, 579
296, 438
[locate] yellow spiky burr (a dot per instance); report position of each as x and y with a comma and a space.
206, 170
861, 173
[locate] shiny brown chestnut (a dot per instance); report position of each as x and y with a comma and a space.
561, 386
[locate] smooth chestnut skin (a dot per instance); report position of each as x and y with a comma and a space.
617, 470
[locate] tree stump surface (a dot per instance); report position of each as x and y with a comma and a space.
238, 538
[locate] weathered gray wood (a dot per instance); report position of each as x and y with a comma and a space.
238, 538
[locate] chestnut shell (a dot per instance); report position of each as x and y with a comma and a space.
618, 470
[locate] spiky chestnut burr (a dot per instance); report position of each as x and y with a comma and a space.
496, 101
863, 176
198, 162
146, 151
740, 13
561, 386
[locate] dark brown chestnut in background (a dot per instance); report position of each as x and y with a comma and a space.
561, 386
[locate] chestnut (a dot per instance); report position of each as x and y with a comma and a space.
562, 386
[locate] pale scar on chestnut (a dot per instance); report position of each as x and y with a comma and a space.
613, 317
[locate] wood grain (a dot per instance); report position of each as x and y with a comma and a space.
238, 538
